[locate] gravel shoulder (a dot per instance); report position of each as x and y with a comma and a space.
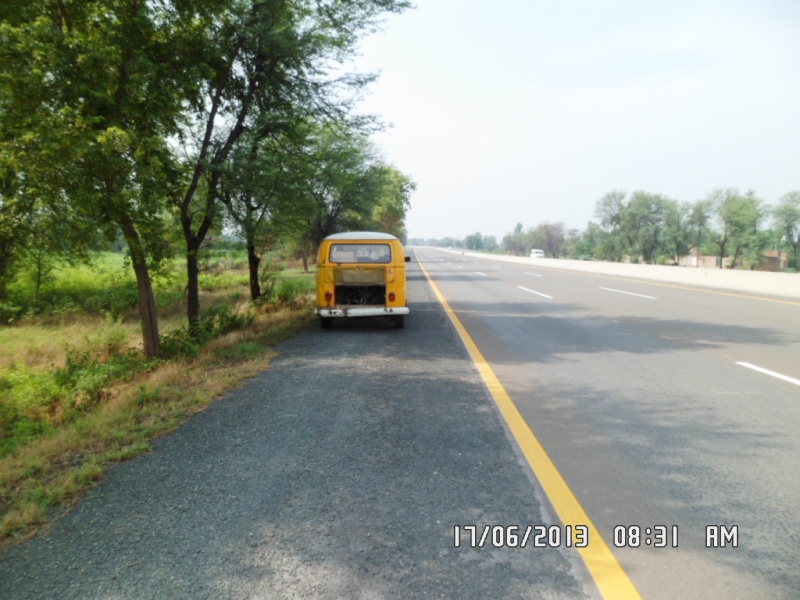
338, 472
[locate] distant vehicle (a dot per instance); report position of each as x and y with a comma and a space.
536, 253
361, 274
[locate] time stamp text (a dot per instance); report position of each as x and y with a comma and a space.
577, 536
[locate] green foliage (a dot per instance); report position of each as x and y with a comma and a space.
27, 399
10, 312
638, 223
243, 350
515, 243
584, 246
219, 253
216, 321
268, 278
32, 402
210, 282
474, 241
223, 319
659, 230
786, 218
103, 285
392, 200
738, 218
93, 93
180, 342
290, 289
550, 237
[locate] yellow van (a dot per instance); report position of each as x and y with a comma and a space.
361, 274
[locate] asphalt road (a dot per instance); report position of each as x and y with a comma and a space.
659, 406
340, 472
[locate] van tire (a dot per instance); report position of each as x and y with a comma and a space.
399, 321
326, 322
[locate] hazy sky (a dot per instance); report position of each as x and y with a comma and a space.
528, 111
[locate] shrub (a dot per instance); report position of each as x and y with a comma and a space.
33, 401
214, 322
28, 401
116, 300
290, 289
268, 278
9, 312
210, 282
179, 342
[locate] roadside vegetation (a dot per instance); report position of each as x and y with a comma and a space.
736, 228
167, 171
78, 394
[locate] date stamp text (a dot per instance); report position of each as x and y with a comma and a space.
520, 536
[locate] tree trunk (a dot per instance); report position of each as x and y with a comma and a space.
305, 261
5, 266
147, 303
39, 268
193, 285
253, 261
147, 310
734, 258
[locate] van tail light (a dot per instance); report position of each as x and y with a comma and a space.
391, 296
328, 297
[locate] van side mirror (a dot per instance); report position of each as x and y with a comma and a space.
408, 259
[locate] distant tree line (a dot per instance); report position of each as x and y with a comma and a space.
651, 228
158, 123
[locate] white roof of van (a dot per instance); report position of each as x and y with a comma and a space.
361, 235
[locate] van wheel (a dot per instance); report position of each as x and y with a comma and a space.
399, 321
326, 322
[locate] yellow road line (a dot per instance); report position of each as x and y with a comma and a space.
607, 573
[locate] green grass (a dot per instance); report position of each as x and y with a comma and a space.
226, 280
104, 286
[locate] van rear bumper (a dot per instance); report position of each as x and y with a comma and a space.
362, 311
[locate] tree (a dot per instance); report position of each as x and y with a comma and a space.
265, 56
676, 232
610, 246
610, 209
255, 189
90, 93
253, 51
16, 211
638, 223
571, 243
474, 241
585, 245
393, 200
340, 184
698, 221
786, 219
644, 221
738, 218
551, 238
514, 243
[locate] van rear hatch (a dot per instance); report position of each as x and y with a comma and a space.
360, 286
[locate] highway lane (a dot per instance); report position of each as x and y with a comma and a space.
637, 392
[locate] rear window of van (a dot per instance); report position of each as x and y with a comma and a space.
360, 253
